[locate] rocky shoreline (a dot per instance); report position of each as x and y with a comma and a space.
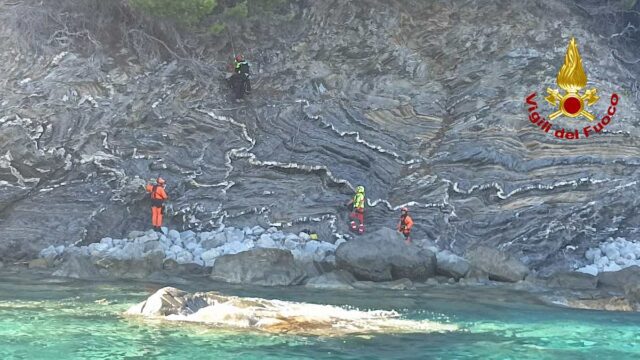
379, 260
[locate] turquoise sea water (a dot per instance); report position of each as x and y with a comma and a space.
44, 318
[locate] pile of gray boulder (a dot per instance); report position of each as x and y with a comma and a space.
271, 257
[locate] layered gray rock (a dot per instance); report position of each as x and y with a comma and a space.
130, 268
436, 120
383, 256
267, 267
498, 265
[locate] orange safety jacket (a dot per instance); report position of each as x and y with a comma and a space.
158, 195
406, 223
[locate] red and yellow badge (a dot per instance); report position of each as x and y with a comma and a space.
572, 103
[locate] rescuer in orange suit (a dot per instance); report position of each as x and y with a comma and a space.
405, 224
158, 196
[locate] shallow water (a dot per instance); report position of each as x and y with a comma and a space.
42, 318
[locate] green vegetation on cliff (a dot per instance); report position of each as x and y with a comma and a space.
184, 11
192, 12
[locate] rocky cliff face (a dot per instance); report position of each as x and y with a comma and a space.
421, 102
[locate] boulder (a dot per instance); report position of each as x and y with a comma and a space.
49, 254
573, 281
172, 267
611, 251
499, 265
602, 262
209, 256
291, 243
131, 251
315, 268
383, 256
188, 236
234, 235
589, 269
176, 249
267, 267
174, 236
134, 268
151, 245
77, 266
108, 241
593, 254
213, 240
184, 257
451, 265
335, 280
236, 247
266, 241
612, 267
96, 249
619, 279
192, 246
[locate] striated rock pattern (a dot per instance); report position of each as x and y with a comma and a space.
421, 102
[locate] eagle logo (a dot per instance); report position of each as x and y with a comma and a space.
572, 79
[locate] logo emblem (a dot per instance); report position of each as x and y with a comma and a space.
572, 79
571, 103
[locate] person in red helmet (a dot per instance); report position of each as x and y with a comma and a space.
158, 197
405, 224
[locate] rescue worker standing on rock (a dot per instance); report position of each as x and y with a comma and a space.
158, 196
358, 201
405, 225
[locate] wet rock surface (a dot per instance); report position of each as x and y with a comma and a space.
421, 102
